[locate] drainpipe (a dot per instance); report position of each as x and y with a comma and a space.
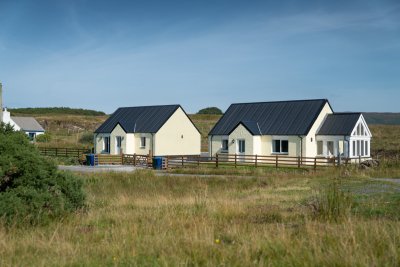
301, 147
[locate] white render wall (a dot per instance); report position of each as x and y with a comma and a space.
309, 142
178, 136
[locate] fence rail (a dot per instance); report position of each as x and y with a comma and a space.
63, 152
236, 160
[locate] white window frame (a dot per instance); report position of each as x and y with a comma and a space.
106, 145
241, 146
143, 142
222, 145
322, 147
274, 151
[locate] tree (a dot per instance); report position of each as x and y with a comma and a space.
32, 190
210, 110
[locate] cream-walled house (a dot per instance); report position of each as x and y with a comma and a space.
155, 130
300, 128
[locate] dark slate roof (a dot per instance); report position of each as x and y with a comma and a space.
28, 124
339, 124
251, 126
147, 119
273, 118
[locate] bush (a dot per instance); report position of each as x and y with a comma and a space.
43, 138
210, 110
32, 190
86, 138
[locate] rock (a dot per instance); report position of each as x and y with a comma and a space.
371, 163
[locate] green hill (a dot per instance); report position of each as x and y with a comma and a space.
382, 118
55, 111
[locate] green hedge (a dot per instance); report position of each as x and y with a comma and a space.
32, 190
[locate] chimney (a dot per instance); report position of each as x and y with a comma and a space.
1, 102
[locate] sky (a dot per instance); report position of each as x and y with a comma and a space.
107, 54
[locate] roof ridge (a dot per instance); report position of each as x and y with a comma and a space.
345, 113
152, 106
281, 101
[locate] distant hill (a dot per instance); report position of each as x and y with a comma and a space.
55, 111
382, 118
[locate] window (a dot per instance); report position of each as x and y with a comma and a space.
330, 148
224, 146
354, 148
362, 148
280, 146
241, 146
106, 144
366, 149
143, 142
32, 136
320, 147
118, 143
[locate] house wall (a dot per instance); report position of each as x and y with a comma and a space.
137, 144
118, 131
178, 136
241, 133
255, 145
309, 142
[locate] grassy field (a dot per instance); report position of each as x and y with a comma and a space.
272, 219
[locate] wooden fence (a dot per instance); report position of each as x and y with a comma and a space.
251, 160
123, 159
63, 152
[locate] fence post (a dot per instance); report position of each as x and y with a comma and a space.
235, 160
315, 164
298, 162
122, 159
334, 161
198, 160
216, 160
276, 161
256, 161
56, 152
66, 153
182, 161
359, 159
134, 159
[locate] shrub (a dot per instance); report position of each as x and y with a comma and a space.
86, 138
43, 138
32, 190
210, 110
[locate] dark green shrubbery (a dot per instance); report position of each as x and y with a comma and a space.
210, 110
43, 138
32, 190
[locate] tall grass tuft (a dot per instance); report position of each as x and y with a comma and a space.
331, 203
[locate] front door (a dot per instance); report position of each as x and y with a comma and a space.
241, 149
118, 142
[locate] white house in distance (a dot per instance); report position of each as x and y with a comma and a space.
301, 128
26, 124
155, 130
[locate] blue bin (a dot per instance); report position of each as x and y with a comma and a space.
90, 159
157, 163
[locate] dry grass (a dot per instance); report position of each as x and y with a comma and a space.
143, 220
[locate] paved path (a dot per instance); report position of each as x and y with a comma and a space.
102, 168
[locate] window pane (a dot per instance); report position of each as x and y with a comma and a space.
354, 148
362, 148
358, 147
276, 146
241, 146
225, 144
330, 148
366, 148
320, 148
285, 146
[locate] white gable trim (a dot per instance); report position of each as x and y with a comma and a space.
364, 124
